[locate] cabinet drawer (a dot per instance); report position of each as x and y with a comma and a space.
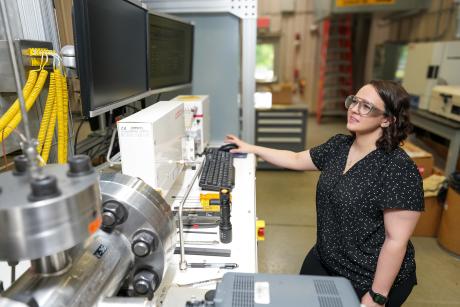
280, 122
279, 130
273, 139
280, 114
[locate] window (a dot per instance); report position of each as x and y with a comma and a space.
266, 60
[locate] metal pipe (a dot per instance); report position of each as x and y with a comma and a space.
183, 263
49, 265
30, 151
98, 269
125, 301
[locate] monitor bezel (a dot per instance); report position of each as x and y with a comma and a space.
84, 68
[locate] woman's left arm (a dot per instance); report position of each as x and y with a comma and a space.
399, 225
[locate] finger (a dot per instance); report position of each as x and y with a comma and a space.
231, 136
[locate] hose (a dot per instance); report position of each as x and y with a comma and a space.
46, 114
29, 103
14, 109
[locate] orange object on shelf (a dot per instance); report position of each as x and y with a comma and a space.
449, 229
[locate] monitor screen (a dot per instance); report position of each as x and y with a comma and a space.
111, 50
170, 51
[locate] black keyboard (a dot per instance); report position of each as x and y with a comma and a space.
218, 171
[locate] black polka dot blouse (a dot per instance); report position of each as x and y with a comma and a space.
350, 231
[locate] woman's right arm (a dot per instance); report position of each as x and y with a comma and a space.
300, 161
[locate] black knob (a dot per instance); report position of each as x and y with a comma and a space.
44, 188
80, 165
143, 244
145, 283
210, 295
20, 165
113, 214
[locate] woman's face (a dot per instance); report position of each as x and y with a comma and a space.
357, 120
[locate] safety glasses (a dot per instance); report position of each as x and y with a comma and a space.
365, 108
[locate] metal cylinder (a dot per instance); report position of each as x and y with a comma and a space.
6, 302
49, 265
150, 221
98, 269
126, 302
33, 227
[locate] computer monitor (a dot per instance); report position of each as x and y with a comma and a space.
389, 61
111, 50
170, 52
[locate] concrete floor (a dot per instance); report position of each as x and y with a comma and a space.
286, 201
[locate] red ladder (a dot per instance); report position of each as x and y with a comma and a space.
336, 74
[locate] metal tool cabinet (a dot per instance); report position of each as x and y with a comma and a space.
281, 127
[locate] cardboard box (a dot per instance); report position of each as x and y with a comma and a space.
423, 159
428, 224
449, 228
282, 93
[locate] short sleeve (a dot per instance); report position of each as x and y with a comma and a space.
402, 186
321, 154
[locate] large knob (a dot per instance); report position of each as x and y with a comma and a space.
113, 214
143, 244
20, 165
145, 282
80, 165
44, 188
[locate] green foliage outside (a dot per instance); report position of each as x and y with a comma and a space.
265, 55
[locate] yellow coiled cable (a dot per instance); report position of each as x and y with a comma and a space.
65, 105
29, 103
60, 116
14, 109
50, 132
46, 114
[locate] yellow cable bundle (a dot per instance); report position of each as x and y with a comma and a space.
50, 131
60, 116
46, 114
29, 103
65, 104
14, 109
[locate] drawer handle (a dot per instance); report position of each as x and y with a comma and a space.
279, 139
279, 122
279, 130
280, 114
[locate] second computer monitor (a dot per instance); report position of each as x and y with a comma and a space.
170, 51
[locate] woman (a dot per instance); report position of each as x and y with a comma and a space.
369, 196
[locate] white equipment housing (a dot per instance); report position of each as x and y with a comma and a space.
197, 119
445, 101
151, 144
430, 64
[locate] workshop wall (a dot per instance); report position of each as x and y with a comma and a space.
288, 18
438, 23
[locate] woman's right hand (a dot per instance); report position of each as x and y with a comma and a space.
243, 147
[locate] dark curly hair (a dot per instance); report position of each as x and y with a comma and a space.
396, 101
